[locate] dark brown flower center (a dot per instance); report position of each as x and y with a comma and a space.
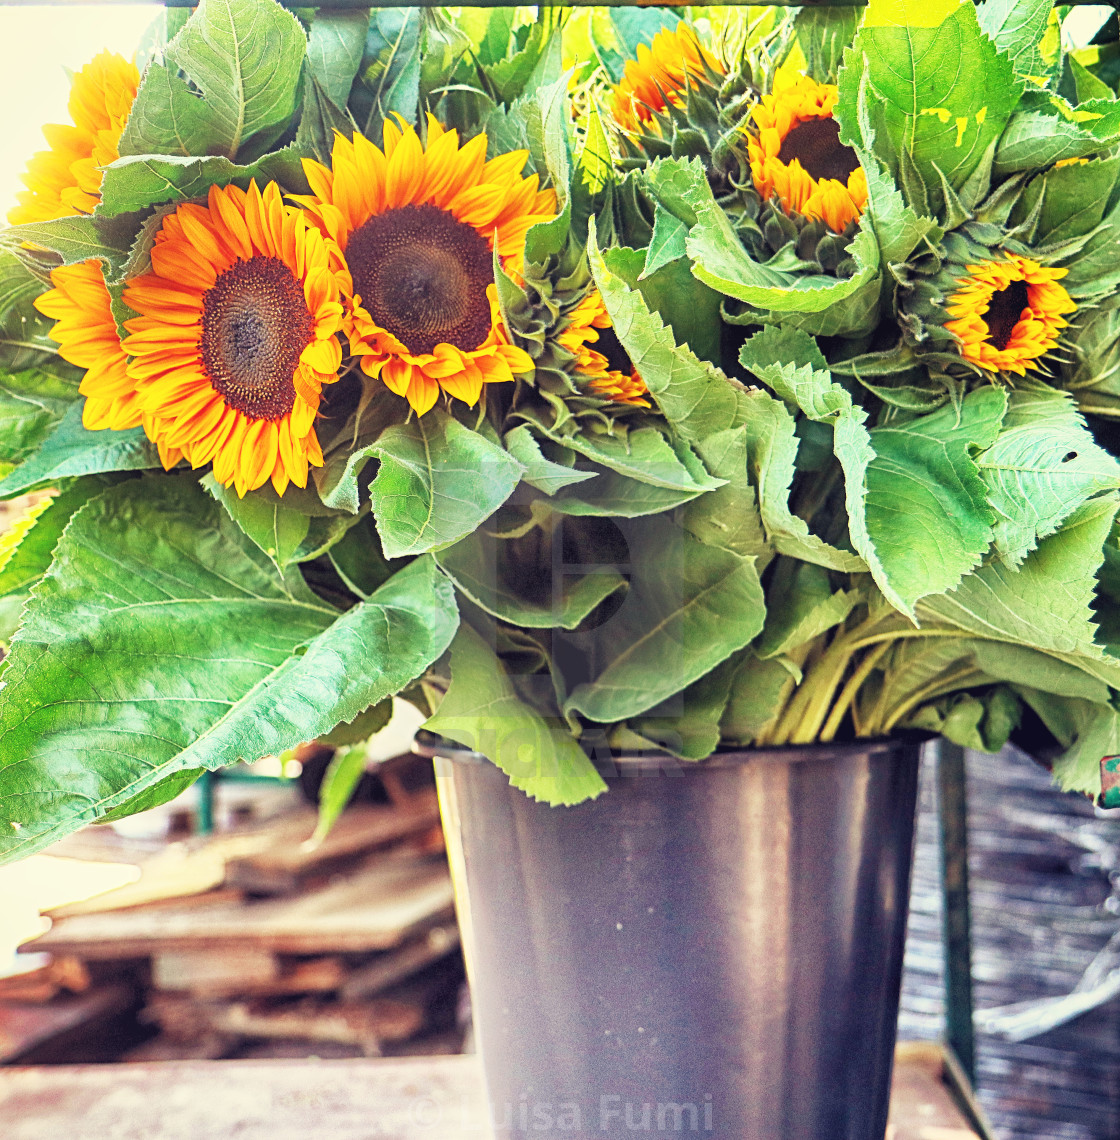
1005, 311
255, 324
422, 275
816, 144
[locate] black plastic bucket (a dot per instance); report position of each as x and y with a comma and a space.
708, 948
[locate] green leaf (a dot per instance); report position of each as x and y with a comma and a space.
800, 606
25, 563
389, 77
318, 120
362, 727
342, 776
926, 464
535, 65
695, 396
72, 450
982, 722
689, 308
634, 26
1042, 466
244, 57
437, 481
1073, 200
1041, 134
926, 515
488, 572
25, 340
617, 496
358, 559
1016, 27
483, 712
540, 472
1045, 603
643, 454
278, 530
728, 516
32, 402
595, 159
76, 239
720, 261
939, 96
668, 242
689, 607
169, 788
141, 181
688, 724
823, 34
335, 46
898, 228
162, 641
755, 699
772, 448
1088, 733
917, 508
1019, 664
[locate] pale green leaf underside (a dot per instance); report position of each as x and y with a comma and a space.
483, 712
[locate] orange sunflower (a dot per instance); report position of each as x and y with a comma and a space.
593, 368
86, 332
419, 227
66, 179
659, 76
1008, 313
797, 154
236, 337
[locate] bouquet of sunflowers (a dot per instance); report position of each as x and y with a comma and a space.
595, 381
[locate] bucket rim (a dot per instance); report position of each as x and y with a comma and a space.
612, 762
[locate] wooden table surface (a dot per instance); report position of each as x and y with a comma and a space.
416, 1098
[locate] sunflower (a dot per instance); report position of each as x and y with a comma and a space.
657, 78
66, 179
1008, 313
419, 228
592, 368
797, 154
86, 332
236, 337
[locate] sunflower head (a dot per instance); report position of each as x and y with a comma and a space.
983, 302
680, 99
86, 331
796, 155
236, 337
660, 77
582, 375
602, 373
418, 227
66, 179
1007, 313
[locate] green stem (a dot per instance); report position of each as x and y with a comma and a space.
810, 703
847, 694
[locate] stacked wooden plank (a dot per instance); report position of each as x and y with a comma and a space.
258, 942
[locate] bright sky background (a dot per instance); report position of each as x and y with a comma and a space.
37, 45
